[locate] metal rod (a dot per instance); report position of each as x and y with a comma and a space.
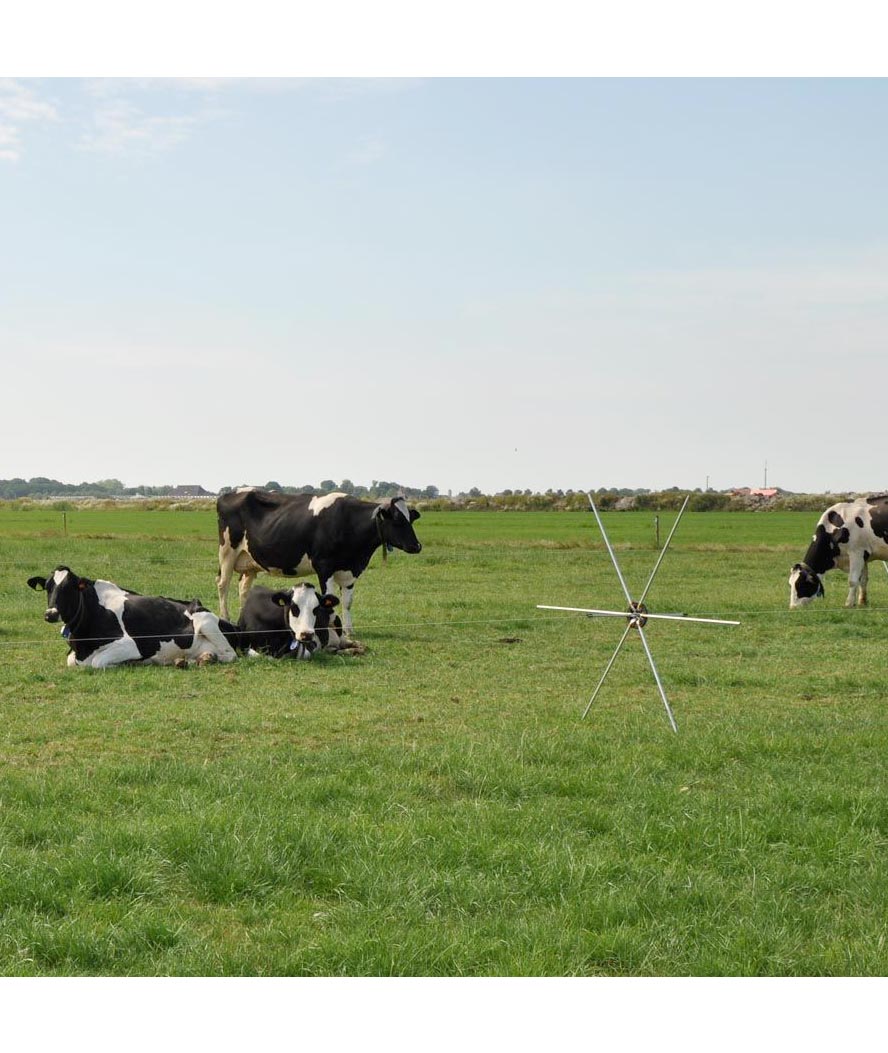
664, 549
657, 678
608, 669
641, 614
610, 550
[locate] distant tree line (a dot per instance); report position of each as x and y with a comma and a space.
39, 486
379, 488
606, 498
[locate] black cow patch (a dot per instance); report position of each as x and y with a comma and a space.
833, 516
808, 584
879, 516
142, 620
858, 521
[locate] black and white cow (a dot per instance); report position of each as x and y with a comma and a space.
290, 623
333, 536
848, 535
106, 625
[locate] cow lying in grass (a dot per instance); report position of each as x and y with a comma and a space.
106, 625
289, 623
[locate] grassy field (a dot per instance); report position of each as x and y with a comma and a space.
437, 806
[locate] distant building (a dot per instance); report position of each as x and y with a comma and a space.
190, 491
767, 492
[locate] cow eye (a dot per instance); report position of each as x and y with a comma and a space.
295, 609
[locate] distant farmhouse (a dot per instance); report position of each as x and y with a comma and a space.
190, 491
766, 492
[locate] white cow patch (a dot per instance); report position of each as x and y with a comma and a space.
401, 506
317, 504
305, 597
59, 576
112, 598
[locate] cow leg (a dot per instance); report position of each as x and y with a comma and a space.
116, 653
856, 580
227, 560
206, 627
247, 580
864, 581
346, 582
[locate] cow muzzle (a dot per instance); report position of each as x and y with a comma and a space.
52, 614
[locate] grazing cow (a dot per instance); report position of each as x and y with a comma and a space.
291, 623
848, 535
106, 625
333, 536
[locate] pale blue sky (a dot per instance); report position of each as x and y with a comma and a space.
493, 283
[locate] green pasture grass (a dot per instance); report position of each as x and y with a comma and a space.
437, 806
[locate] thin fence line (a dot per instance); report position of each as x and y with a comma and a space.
419, 625
452, 554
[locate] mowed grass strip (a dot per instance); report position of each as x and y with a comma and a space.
436, 806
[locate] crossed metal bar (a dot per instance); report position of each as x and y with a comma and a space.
637, 614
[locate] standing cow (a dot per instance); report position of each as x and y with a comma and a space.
848, 535
332, 536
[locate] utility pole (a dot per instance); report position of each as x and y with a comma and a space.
766, 475
707, 484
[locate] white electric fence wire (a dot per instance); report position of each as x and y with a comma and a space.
516, 622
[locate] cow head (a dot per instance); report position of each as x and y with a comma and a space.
804, 586
394, 521
308, 616
64, 594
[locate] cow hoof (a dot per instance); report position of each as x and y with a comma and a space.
181, 663
208, 658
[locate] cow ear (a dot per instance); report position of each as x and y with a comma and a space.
37, 584
381, 510
329, 600
281, 598
414, 515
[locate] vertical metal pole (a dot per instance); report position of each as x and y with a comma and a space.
65, 522
657, 528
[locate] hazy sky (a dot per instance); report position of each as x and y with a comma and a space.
493, 283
